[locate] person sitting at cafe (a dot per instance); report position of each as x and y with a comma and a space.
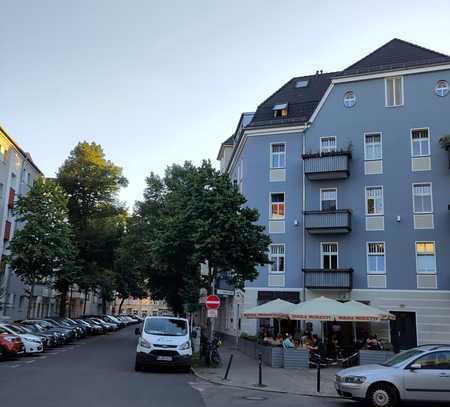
278, 340
288, 342
373, 343
297, 343
316, 345
307, 339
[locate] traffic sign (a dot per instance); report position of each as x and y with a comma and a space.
212, 313
212, 302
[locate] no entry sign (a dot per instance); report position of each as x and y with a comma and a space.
212, 302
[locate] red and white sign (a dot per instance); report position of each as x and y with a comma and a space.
212, 302
212, 313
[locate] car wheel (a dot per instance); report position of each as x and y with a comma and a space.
382, 395
137, 366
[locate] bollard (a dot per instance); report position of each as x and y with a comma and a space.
260, 370
318, 373
228, 367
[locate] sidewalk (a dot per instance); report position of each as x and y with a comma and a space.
244, 373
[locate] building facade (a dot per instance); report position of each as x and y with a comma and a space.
352, 184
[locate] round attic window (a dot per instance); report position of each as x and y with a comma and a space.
441, 88
349, 99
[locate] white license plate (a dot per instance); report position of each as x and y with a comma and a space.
164, 358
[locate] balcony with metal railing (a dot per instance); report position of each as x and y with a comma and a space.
328, 222
340, 278
325, 166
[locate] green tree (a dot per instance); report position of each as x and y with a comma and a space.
92, 183
195, 215
42, 247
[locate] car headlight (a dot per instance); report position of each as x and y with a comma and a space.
355, 379
33, 340
185, 345
144, 343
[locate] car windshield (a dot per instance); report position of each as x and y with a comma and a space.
402, 357
15, 329
165, 327
21, 329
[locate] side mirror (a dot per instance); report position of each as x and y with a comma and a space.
137, 331
415, 366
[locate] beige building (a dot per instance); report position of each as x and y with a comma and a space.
143, 307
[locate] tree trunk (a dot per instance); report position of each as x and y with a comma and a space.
120, 306
30, 299
70, 302
103, 304
86, 292
62, 302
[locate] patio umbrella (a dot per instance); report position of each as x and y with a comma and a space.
359, 312
317, 309
278, 309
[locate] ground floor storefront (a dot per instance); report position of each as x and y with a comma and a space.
422, 317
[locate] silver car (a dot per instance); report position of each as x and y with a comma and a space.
418, 374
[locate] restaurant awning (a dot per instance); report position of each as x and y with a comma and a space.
317, 309
278, 309
359, 312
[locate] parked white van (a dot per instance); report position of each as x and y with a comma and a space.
164, 341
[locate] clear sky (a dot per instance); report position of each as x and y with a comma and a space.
158, 82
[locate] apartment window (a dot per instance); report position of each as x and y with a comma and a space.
394, 91
374, 201
375, 258
422, 198
327, 144
420, 142
328, 199
280, 110
441, 88
372, 147
277, 205
277, 258
278, 155
425, 257
329, 255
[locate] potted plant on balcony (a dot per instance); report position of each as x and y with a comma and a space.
444, 141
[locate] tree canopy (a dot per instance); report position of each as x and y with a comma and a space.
42, 247
192, 216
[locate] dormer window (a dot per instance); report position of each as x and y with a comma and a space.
280, 110
301, 84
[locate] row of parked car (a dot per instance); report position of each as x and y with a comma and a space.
37, 335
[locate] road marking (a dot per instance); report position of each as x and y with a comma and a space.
30, 361
14, 366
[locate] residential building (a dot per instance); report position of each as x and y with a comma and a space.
352, 185
17, 174
142, 307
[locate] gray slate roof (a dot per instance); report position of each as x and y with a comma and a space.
396, 54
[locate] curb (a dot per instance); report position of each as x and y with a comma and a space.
268, 390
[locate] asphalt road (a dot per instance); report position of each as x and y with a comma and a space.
100, 372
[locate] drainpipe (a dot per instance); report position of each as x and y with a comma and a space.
308, 125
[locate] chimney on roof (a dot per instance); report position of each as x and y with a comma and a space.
317, 73
321, 72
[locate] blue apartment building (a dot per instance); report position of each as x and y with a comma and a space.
353, 186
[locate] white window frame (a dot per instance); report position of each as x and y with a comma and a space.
371, 133
328, 137
271, 271
386, 91
272, 154
368, 255
431, 195
270, 205
429, 142
426, 273
327, 189
322, 253
366, 199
